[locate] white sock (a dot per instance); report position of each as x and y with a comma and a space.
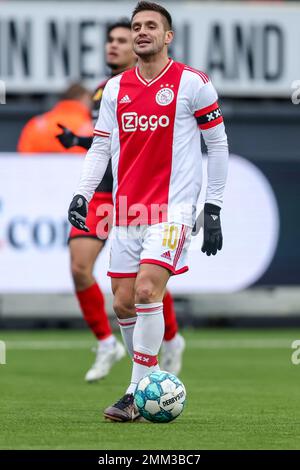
107, 343
172, 343
147, 338
127, 326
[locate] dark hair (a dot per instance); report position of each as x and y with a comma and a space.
149, 6
74, 92
121, 23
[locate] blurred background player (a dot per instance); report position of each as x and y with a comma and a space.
40, 135
85, 247
73, 110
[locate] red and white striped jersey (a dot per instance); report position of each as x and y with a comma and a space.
153, 127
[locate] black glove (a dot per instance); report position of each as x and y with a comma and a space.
78, 211
213, 240
67, 139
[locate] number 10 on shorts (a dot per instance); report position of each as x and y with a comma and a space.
171, 235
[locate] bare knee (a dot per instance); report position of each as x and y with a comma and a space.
145, 292
82, 275
123, 291
124, 308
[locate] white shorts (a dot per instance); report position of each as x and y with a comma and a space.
164, 244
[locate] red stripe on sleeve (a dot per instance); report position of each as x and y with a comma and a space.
206, 110
213, 123
101, 133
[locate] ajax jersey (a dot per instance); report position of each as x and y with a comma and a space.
153, 127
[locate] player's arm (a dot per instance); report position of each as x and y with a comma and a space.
210, 121
95, 164
68, 139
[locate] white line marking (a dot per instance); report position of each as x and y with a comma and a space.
268, 343
56, 344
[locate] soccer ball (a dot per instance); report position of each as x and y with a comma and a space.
160, 397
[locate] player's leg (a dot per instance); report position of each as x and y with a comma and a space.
84, 252
123, 291
150, 284
125, 311
126, 247
166, 245
173, 343
171, 325
123, 268
85, 248
149, 329
142, 328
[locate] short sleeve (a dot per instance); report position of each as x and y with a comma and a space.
106, 119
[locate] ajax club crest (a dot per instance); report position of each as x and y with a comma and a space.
164, 96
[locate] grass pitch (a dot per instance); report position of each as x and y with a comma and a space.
243, 393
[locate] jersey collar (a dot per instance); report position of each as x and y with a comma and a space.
163, 71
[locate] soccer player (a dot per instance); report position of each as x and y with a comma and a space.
86, 246
149, 126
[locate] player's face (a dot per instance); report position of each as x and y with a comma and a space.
118, 49
149, 33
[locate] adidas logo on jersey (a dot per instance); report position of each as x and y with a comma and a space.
166, 255
125, 99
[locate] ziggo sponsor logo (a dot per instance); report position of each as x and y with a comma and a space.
132, 122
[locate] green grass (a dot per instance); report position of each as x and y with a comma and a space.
240, 395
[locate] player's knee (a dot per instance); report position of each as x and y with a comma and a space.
123, 307
81, 275
144, 293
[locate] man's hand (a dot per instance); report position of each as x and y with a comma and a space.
67, 139
213, 239
198, 224
78, 211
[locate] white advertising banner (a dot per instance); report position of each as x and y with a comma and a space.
247, 49
35, 193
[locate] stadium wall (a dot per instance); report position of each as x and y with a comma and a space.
248, 50
245, 48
